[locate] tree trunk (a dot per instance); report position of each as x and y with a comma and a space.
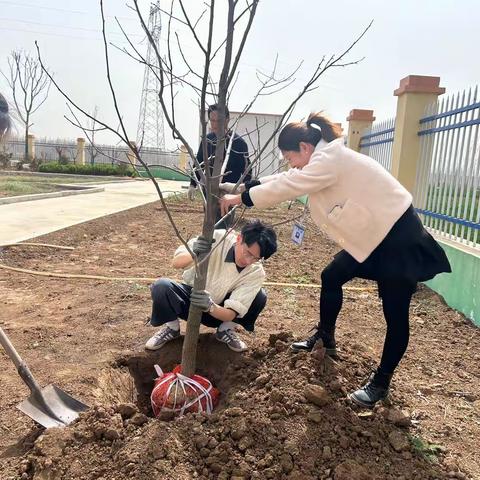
27, 153
189, 351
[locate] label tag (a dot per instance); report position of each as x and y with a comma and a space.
298, 233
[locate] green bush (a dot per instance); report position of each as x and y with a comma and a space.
63, 160
101, 169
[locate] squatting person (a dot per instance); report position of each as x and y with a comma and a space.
234, 293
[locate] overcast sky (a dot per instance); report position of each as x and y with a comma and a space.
428, 37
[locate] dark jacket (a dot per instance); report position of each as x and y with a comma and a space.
237, 162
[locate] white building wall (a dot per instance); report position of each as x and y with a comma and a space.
256, 129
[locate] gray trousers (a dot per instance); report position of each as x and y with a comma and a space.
171, 300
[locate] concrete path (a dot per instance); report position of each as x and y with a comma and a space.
22, 221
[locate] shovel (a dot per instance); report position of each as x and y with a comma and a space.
50, 406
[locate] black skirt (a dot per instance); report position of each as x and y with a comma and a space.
408, 253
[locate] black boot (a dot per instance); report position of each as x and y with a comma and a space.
373, 391
309, 343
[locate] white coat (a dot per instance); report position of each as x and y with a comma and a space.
352, 198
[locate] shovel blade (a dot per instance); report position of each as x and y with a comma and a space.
57, 409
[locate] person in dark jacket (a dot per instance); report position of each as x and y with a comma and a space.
238, 161
5, 121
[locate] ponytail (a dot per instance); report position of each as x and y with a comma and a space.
329, 131
316, 128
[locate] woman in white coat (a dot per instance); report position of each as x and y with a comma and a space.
369, 214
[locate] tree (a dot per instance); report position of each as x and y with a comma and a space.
30, 84
92, 148
175, 71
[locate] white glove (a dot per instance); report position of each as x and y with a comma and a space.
228, 187
191, 192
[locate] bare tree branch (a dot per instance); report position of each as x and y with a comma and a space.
176, 132
253, 10
192, 28
321, 68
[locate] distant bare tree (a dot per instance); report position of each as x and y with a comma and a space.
30, 86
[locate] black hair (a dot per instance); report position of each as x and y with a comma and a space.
257, 232
215, 108
5, 122
316, 128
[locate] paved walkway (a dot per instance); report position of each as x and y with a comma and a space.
22, 221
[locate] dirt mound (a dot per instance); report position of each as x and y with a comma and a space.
282, 416
75, 333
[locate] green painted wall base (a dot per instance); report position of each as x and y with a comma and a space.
165, 174
303, 199
461, 288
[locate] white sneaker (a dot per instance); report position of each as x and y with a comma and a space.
233, 341
163, 336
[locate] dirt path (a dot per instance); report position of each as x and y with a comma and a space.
87, 337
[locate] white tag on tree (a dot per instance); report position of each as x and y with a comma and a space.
298, 233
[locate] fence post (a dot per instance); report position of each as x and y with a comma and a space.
80, 160
131, 155
414, 94
31, 146
358, 122
182, 160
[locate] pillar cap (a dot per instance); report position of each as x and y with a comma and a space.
80, 139
419, 84
361, 115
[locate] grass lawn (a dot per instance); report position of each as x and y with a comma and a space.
13, 185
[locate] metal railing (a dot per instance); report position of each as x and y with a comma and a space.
15, 147
54, 150
447, 187
154, 156
377, 142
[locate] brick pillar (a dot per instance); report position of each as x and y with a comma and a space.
80, 159
31, 146
182, 161
414, 94
131, 155
358, 122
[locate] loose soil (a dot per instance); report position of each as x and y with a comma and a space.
281, 416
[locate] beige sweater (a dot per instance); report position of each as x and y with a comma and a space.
223, 277
352, 198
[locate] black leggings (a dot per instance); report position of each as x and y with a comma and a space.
395, 293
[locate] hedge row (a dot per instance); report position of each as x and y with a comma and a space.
99, 169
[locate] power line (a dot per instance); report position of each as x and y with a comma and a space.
42, 7
50, 34
68, 27
17, 4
